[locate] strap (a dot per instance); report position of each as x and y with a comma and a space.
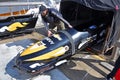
70, 39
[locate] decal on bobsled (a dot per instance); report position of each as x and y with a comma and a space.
36, 47
35, 65
57, 36
13, 26
53, 54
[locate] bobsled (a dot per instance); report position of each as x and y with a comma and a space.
88, 29
17, 25
55, 50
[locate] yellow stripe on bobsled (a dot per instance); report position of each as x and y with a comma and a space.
55, 53
32, 49
14, 26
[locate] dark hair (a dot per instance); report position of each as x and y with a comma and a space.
42, 8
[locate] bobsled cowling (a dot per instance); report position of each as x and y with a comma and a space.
51, 51
17, 25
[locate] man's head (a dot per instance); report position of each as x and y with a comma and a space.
43, 10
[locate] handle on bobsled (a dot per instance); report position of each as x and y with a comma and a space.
70, 39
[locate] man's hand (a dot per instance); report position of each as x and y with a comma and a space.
49, 33
70, 26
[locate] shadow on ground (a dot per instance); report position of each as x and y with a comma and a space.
75, 70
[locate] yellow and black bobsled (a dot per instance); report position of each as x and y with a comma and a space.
55, 50
16, 25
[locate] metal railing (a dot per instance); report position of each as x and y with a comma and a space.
4, 4
9, 6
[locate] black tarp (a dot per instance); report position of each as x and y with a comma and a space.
104, 5
99, 4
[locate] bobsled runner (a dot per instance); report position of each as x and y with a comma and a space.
55, 50
16, 25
